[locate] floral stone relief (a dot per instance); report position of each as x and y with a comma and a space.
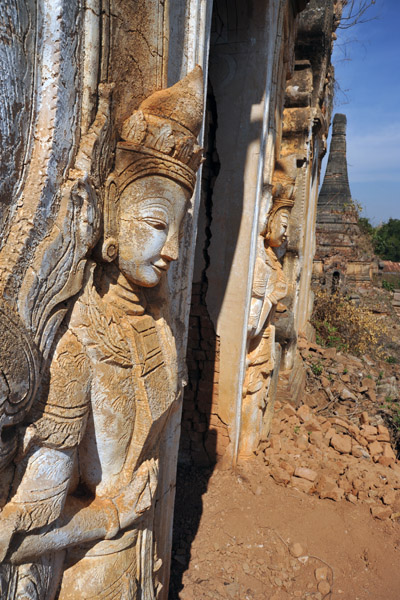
82, 474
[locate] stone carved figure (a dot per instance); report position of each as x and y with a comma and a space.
29, 319
79, 523
269, 287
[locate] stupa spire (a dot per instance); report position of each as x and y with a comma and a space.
335, 191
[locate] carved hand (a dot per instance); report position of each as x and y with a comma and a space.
254, 316
138, 496
82, 523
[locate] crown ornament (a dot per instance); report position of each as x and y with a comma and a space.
284, 181
160, 138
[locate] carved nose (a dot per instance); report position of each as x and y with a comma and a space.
170, 250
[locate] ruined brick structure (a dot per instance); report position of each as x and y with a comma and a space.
341, 262
276, 59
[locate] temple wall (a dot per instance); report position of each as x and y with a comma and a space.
104, 110
284, 113
77, 72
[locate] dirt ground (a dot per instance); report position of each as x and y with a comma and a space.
316, 513
240, 535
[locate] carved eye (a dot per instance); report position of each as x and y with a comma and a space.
157, 224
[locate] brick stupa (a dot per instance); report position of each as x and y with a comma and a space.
342, 261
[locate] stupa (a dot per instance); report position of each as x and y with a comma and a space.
343, 258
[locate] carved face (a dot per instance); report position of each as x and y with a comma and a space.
278, 228
151, 212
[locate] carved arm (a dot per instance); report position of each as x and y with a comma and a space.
100, 519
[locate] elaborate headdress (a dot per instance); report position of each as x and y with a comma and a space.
160, 138
284, 181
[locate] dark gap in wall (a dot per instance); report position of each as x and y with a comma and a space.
211, 169
197, 444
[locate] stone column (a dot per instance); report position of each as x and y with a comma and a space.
251, 56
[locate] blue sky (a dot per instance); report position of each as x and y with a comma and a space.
367, 69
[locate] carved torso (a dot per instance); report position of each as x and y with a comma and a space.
131, 388
110, 388
100, 419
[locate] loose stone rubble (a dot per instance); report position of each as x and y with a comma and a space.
336, 445
337, 448
334, 458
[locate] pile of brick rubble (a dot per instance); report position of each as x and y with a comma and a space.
334, 458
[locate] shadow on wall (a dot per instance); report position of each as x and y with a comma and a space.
198, 437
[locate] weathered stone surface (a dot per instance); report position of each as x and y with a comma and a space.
389, 498
364, 418
375, 448
369, 430
341, 443
323, 587
388, 452
381, 512
305, 473
321, 573
302, 442
280, 475
346, 394
317, 438
359, 452
304, 413
327, 488
296, 550
287, 466
89, 461
302, 485
339, 263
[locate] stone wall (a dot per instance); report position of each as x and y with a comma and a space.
79, 158
272, 85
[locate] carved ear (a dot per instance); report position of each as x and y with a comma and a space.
109, 250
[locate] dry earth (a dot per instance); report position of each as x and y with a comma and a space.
316, 514
257, 540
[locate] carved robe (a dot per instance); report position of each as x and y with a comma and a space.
269, 287
112, 382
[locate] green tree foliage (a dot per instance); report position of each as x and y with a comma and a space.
366, 226
385, 238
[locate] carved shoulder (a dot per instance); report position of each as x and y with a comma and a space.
63, 404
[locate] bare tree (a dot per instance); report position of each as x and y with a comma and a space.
355, 13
